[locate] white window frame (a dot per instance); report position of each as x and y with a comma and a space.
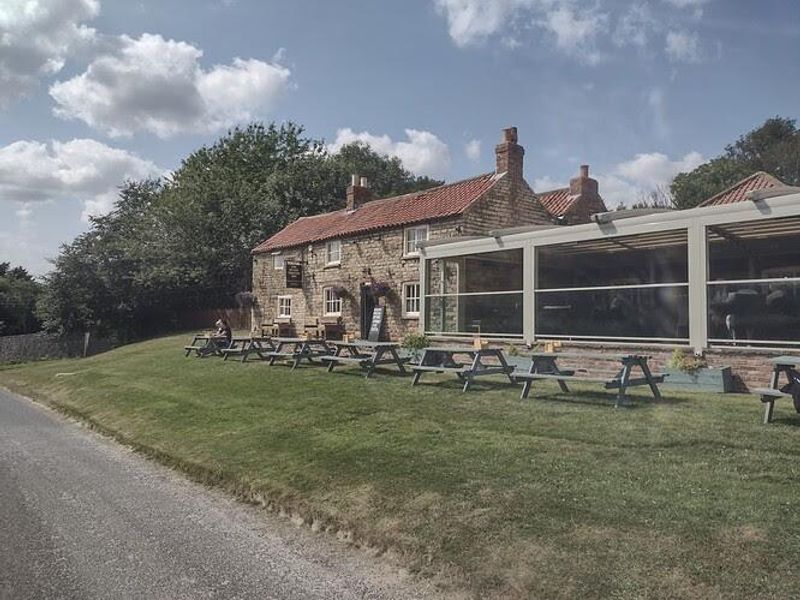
334, 301
329, 260
406, 298
278, 261
406, 232
281, 312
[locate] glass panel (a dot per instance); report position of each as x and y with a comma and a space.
754, 311
489, 272
630, 260
754, 250
487, 313
627, 313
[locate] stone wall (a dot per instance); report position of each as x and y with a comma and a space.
507, 204
39, 346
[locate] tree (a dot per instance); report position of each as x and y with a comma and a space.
18, 294
185, 242
773, 147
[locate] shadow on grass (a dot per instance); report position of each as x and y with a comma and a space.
601, 398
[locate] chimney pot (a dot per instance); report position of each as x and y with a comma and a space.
364, 182
510, 135
584, 171
354, 179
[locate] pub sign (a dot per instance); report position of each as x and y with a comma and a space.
294, 274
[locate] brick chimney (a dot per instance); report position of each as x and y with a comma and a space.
510, 154
583, 185
589, 201
358, 192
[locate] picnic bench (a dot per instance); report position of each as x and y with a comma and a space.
246, 345
295, 350
442, 360
544, 366
204, 344
788, 365
365, 354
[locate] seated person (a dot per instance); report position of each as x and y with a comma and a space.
224, 331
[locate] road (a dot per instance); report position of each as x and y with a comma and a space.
83, 517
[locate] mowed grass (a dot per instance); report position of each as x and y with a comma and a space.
557, 497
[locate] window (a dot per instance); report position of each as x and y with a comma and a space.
277, 261
333, 303
284, 307
754, 283
475, 293
411, 299
412, 237
628, 288
333, 252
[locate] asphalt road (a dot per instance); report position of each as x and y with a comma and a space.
82, 517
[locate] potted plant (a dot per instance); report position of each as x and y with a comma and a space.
690, 372
414, 343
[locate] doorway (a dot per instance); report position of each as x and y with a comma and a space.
367, 306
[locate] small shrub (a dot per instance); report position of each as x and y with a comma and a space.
414, 342
686, 362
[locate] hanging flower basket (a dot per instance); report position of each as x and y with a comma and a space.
380, 289
340, 291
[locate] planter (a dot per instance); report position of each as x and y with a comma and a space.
710, 379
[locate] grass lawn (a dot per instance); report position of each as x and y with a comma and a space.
557, 498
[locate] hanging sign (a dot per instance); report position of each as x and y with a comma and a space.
294, 275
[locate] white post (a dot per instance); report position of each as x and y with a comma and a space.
423, 290
698, 280
528, 288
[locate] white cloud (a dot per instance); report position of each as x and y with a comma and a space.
422, 154
36, 37
473, 150
576, 34
473, 21
687, 3
157, 85
634, 27
32, 172
683, 46
632, 180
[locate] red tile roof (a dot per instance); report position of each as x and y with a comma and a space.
557, 202
738, 191
418, 207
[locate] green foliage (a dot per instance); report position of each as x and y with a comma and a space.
18, 294
773, 147
686, 361
185, 242
414, 342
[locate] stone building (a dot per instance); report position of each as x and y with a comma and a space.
343, 263
576, 203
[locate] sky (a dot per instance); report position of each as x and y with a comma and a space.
94, 92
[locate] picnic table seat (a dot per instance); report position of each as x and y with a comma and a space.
768, 397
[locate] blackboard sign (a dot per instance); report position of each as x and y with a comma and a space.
376, 324
294, 275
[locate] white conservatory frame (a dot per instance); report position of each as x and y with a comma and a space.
763, 205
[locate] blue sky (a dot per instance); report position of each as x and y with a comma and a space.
96, 91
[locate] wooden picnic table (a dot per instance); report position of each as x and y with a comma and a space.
205, 344
244, 346
544, 365
442, 360
295, 349
789, 366
365, 354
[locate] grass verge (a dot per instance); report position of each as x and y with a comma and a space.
560, 498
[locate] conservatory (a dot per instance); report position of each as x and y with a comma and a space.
709, 277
